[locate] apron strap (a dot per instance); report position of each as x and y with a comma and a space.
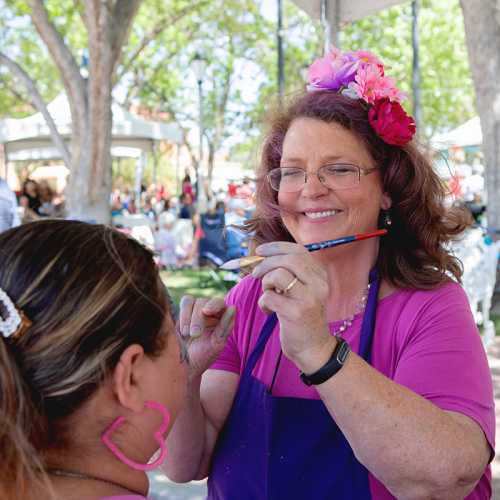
369, 317
265, 333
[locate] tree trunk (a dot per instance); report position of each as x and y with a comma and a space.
211, 162
108, 24
482, 30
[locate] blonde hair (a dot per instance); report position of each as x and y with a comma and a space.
90, 292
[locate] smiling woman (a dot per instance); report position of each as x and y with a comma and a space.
322, 129
344, 374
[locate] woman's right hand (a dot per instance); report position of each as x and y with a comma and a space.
204, 325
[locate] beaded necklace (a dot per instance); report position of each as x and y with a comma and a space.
360, 307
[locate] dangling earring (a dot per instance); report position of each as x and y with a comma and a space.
386, 219
159, 437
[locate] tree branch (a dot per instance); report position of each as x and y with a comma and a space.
157, 30
39, 103
18, 96
122, 16
63, 58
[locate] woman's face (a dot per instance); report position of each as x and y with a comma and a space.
317, 213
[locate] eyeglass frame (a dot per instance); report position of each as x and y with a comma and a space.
361, 171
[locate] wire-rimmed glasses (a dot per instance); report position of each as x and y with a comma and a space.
335, 176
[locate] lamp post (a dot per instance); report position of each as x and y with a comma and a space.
199, 65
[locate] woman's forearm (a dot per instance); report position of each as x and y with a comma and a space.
416, 449
186, 440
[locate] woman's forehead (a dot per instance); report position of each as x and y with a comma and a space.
312, 139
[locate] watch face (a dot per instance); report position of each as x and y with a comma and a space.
343, 352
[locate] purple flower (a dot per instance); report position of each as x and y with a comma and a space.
333, 71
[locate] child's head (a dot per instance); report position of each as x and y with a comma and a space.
101, 341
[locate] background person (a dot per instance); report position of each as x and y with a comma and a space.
46, 196
31, 194
8, 207
351, 372
165, 241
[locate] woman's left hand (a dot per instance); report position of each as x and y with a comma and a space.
301, 309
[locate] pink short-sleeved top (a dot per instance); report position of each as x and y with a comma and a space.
426, 341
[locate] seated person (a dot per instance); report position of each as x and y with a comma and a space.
91, 372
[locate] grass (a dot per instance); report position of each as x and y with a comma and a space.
197, 282
496, 319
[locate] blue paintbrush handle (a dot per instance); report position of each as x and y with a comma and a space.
312, 247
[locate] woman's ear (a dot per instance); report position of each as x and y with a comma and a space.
128, 377
386, 202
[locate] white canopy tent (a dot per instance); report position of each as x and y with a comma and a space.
333, 12
348, 10
29, 138
467, 134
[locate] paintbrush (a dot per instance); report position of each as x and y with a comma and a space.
253, 260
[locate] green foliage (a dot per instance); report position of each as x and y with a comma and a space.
231, 36
239, 43
19, 38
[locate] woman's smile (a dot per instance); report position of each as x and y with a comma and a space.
316, 216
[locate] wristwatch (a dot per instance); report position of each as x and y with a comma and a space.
331, 367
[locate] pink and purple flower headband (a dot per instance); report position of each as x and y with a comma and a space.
360, 75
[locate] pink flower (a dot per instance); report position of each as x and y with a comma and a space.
391, 123
371, 85
366, 57
391, 91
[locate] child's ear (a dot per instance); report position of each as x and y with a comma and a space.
127, 378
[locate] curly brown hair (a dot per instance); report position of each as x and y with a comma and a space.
414, 254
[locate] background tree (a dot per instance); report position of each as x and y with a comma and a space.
482, 28
66, 27
152, 70
106, 24
231, 35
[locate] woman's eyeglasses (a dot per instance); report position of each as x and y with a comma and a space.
334, 177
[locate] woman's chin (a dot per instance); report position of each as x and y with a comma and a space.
315, 235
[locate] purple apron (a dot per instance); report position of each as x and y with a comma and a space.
287, 448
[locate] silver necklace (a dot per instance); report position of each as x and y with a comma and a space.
80, 475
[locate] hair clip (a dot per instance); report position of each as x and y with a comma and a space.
15, 322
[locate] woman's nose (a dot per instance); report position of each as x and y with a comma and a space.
313, 187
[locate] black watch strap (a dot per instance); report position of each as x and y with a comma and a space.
331, 367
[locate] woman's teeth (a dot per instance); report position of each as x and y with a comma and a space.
319, 215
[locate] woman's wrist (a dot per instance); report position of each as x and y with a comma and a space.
311, 360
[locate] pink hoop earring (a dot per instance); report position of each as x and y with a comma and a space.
106, 439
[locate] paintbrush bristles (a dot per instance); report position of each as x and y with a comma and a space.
249, 261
